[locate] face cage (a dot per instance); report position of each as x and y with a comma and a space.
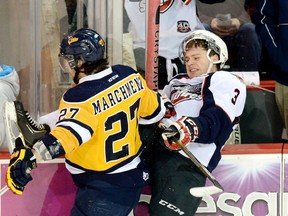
67, 63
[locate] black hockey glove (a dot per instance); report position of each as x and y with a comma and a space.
21, 163
184, 129
170, 111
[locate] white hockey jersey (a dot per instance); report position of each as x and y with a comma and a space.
216, 101
176, 22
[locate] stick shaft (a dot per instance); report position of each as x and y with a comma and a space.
152, 43
199, 165
3, 190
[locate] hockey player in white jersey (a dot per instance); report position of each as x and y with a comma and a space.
208, 104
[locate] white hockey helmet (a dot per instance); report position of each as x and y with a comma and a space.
214, 43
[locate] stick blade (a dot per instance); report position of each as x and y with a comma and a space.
205, 191
11, 127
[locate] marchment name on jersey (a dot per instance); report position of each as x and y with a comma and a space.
118, 95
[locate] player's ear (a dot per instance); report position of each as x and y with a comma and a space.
215, 57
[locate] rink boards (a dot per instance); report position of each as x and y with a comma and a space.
253, 176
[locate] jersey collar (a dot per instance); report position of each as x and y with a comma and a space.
98, 75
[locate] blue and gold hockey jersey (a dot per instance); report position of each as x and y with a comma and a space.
98, 122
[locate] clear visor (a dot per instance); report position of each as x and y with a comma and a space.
67, 63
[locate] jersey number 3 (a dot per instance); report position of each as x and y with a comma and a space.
234, 99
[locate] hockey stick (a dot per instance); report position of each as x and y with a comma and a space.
3, 190
11, 127
13, 132
201, 191
152, 43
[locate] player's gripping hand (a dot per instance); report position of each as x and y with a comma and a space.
170, 111
184, 129
18, 173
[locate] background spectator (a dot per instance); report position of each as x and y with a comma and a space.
238, 33
9, 90
177, 20
71, 6
271, 21
265, 67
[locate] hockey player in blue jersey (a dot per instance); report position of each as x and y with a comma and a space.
208, 104
97, 130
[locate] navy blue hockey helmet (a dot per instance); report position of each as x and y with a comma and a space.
85, 44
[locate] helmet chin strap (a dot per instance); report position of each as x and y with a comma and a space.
79, 64
210, 61
75, 78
